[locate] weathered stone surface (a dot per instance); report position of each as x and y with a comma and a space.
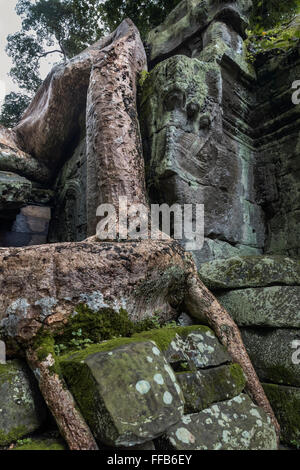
277, 306
191, 17
204, 350
146, 446
22, 410
250, 271
272, 352
14, 191
205, 387
69, 218
193, 152
198, 349
220, 250
14, 160
151, 399
185, 320
285, 402
278, 149
236, 424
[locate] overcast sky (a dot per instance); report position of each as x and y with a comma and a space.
10, 22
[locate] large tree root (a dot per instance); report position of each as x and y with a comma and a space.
61, 404
203, 305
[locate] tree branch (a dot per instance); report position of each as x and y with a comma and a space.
50, 52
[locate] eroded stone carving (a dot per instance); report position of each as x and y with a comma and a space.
198, 145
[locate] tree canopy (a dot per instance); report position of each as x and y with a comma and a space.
269, 13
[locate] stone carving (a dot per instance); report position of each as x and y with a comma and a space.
192, 17
210, 136
189, 103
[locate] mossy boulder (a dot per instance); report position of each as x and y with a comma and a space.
271, 352
277, 306
128, 394
285, 402
203, 388
236, 424
250, 271
22, 410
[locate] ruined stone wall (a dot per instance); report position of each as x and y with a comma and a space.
69, 216
278, 149
196, 109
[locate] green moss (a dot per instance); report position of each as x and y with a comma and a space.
13, 435
7, 372
44, 345
285, 402
97, 326
238, 376
95, 348
281, 374
41, 444
162, 337
143, 77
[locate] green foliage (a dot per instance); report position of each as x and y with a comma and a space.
146, 14
295, 444
278, 38
12, 109
50, 26
21, 442
77, 343
66, 27
269, 13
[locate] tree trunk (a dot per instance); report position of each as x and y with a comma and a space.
201, 304
61, 404
114, 147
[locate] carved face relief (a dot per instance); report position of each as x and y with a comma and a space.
180, 104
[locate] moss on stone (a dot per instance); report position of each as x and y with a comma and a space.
285, 402
97, 326
44, 345
238, 376
13, 435
162, 337
41, 444
208, 386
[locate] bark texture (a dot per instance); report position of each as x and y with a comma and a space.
61, 403
114, 147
